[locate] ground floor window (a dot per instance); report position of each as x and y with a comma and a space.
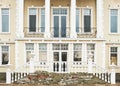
113, 55
42, 52
5, 54
77, 52
29, 51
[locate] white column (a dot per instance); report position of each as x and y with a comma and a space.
47, 18
113, 78
100, 12
104, 55
8, 76
73, 19
19, 18
90, 65
16, 55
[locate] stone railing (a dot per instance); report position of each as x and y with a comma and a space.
36, 32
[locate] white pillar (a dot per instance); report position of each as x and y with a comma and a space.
16, 55
100, 12
113, 78
19, 18
31, 69
73, 33
47, 18
104, 55
8, 76
90, 65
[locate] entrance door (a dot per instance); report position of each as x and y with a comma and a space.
59, 26
60, 61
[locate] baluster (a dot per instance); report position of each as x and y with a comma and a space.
18, 76
102, 76
21, 75
12, 77
108, 77
105, 77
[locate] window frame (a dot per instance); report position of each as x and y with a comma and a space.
1, 55
1, 20
110, 21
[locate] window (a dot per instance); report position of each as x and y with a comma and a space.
77, 52
90, 51
36, 19
5, 19
29, 51
77, 19
5, 55
87, 20
42, 20
113, 55
113, 20
42, 52
60, 46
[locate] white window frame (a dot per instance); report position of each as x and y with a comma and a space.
110, 55
1, 20
38, 19
91, 9
1, 55
110, 21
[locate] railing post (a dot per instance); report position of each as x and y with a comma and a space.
90, 66
113, 78
8, 76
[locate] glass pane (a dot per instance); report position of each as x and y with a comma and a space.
77, 23
56, 56
28, 56
42, 23
32, 11
77, 55
42, 47
5, 59
5, 48
87, 12
5, 23
30, 46
5, 11
42, 56
114, 12
87, 23
114, 59
114, 24
64, 46
64, 56
56, 26
32, 23
113, 49
63, 26
90, 47
56, 46
42, 11
78, 47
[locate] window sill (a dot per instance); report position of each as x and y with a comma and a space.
7, 65
7, 33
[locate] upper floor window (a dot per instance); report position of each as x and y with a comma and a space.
113, 20
113, 55
36, 20
5, 19
77, 19
87, 20
5, 54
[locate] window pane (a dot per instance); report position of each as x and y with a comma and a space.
5, 23
5, 11
42, 47
5, 48
32, 23
78, 47
63, 26
56, 26
42, 56
30, 46
56, 46
64, 46
32, 11
56, 56
29, 55
64, 56
42, 23
77, 23
77, 55
114, 59
5, 59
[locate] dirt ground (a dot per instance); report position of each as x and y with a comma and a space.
59, 85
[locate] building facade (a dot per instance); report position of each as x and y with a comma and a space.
59, 35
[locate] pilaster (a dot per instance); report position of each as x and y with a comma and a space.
99, 4
19, 18
73, 33
47, 18
16, 55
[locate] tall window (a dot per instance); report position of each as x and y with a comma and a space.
113, 55
77, 20
32, 19
113, 20
90, 51
42, 52
5, 55
77, 52
87, 20
42, 20
5, 19
29, 51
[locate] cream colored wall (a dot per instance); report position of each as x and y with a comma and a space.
9, 37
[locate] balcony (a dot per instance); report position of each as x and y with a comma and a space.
60, 32
86, 32
34, 32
